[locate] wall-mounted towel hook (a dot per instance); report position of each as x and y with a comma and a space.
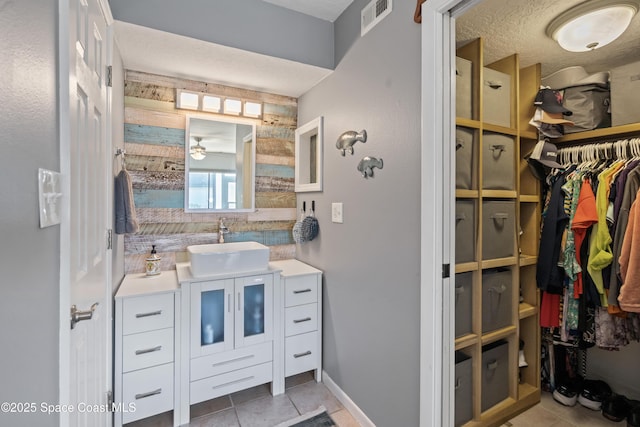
347, 139
367, 164
120, 152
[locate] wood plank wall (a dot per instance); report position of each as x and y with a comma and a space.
154, 135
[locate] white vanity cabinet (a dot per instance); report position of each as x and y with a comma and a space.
145, 363
229, 340
302, 317
231, 328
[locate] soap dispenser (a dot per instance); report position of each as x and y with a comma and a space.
153, 263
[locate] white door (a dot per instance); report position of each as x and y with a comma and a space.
438, 130
88, 170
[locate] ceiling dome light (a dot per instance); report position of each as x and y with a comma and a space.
592, 24
198, 152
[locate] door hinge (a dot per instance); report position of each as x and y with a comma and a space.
110, 75
109, 239
446, 271
110, 400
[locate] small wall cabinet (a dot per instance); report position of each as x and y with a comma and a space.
146, 312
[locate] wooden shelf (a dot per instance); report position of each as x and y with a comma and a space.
499, 334
499, 262
466, 267
466, 194
526, 310
467, 123
499, 129
500, 194
466, 341
529, 198
528, 260
604, 133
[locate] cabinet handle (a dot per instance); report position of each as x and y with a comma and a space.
148, 394
148, 350
152, 313
306, 353
306, 319
237, 359
239, 301
301, 291
229, 303
241, 380
493, 365
457, 386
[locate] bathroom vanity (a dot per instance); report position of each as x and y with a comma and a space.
231, 331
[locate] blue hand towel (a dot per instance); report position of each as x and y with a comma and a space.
126, 221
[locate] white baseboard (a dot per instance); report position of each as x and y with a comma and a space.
346, 401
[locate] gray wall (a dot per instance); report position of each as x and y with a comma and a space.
252, 25
371, 262
29, 295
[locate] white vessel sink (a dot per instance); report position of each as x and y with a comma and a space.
223, 258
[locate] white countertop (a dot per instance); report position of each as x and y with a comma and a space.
141, 284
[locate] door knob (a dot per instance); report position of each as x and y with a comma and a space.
78, 315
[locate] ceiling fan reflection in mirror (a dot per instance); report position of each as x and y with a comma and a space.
198, 152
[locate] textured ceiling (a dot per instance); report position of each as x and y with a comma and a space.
518, 26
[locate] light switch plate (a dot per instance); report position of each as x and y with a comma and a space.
49, 194
336, 212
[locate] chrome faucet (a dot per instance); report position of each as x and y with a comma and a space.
222, 230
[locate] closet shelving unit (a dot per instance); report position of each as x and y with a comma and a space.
523, 383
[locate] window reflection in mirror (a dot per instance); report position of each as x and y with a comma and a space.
219, 164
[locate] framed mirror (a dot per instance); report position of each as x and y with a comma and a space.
308, 174
219, 164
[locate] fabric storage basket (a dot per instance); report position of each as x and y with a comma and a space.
463, 305
495, 374
498, 161
465, 231
463, 389
464, 158
590, 105
498, 228
496, 97
625, 94
497, 294
464, 97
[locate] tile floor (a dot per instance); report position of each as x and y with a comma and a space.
255, 407
549, 413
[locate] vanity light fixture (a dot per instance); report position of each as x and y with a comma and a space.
198, 152
210, 103
232, 106
592, 24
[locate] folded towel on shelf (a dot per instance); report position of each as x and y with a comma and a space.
126, 221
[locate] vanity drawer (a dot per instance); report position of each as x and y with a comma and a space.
220, 363
147, 313
301, 353
151, 390
300, 290
300, 319
147, 349
230, 382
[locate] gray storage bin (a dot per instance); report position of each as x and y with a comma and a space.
463, 389
463, 307
498, 228
497, 288
464, 87
590, 105
495, 374
625, 94
464, 158
498, 161
465, 231
496, 93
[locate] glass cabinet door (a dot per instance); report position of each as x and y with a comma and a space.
254, 312
211, 316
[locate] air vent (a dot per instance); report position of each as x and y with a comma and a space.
373, 13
